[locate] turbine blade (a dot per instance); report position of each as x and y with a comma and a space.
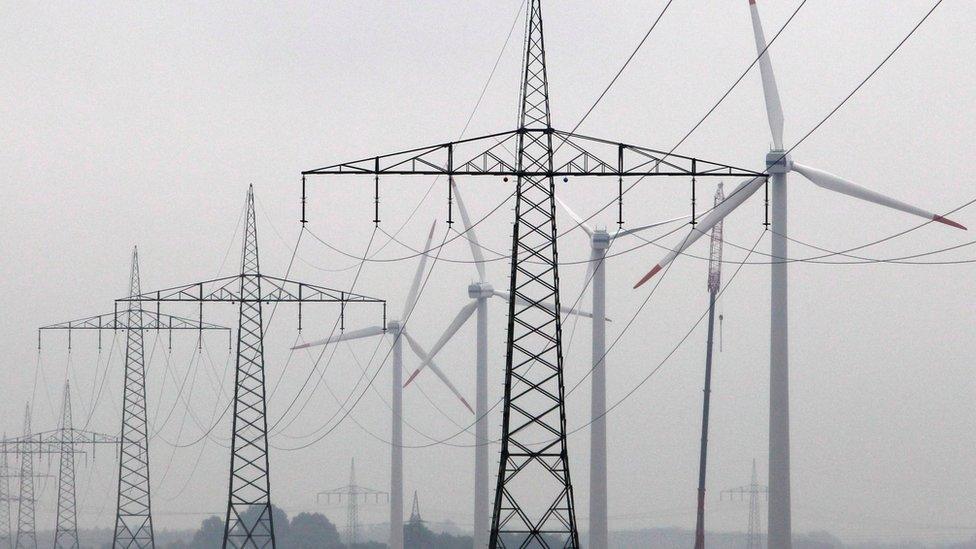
579, 220
734, 200
344, 336
565, 310
472, 237
462, 316
418, 276
774, 109
651, 226
831, 182
419, 351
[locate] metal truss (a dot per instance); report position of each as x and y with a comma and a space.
5, 500
145, 320
249, 522
534, 495
497, 154
66, 531
133, 517
66, 441
26, 527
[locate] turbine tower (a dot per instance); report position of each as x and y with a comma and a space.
778, 164
398, 330
249, 522
479, 292
600, 241
534, 504
133, 509
714, 285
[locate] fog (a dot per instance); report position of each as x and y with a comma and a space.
143, 124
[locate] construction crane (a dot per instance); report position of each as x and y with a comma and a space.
714, 284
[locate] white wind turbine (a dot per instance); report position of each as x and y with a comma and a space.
398, 331
778, 165
600, 241
479, 292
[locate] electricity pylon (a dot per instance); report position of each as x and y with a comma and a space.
133, 512
66, 531
714, 285
354, 494
757, 496
26, 528
534, 503
249, 522
66, 441
5, 499
415, 526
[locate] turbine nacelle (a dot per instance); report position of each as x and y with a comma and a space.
393, 326
480, 290
778, 161
600, 239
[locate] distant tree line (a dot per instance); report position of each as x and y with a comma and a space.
316, 531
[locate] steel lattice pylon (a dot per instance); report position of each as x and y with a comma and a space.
133, 518
66, 532
66, 441
534, 496
250, 487
758, 495
249, 523
26, 531
534, 416
5, 499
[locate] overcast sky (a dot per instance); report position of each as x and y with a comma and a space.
129, 124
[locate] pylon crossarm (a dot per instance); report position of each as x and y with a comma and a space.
150, 320
573, 155
51, 442
228, 289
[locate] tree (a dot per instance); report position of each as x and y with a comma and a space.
210, 534
311, 531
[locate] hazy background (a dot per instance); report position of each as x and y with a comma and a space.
143, 124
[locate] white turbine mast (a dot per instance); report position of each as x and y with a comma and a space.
600, 241
778, 164
397, 329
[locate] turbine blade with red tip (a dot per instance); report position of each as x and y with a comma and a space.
424, 356
840, 185
734, 200
343, 336
462, 316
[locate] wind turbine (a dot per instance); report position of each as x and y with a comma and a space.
398, 331
600, 240
479, 292
778, 165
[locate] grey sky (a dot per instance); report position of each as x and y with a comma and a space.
143, 123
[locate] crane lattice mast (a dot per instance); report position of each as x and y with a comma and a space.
714, 285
